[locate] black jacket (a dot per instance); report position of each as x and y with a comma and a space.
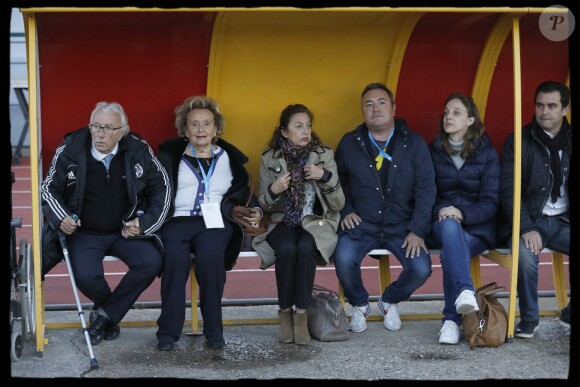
473, 189
170, 154
63, 189
537, 179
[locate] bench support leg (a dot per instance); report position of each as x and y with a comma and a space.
192, 279
559, 280
384, 272
475, 271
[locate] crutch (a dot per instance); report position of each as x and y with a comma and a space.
62, 239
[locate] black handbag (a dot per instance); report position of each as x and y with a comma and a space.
326, 316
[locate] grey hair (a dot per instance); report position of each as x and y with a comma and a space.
114, 107
198, 103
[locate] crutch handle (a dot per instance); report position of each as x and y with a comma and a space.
61, 236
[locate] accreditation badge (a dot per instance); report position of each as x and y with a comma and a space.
212, 216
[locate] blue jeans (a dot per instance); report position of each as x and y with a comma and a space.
457, 248
349, 254
555, 234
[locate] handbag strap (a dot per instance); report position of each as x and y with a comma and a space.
251, 190
250, 200
319, 288
490, 289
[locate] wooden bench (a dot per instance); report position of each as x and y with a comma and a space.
500, 256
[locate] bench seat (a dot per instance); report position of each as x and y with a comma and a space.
500, 256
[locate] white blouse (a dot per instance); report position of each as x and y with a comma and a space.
191, 186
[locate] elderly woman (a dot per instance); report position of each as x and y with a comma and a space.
208, 178
467, 178
299, 187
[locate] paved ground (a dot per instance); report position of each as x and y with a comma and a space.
253, 352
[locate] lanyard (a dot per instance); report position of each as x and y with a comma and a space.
205, 176
382, 152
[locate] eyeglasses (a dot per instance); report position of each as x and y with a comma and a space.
108, 129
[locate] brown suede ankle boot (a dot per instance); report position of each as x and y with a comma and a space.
301, 335
286, 333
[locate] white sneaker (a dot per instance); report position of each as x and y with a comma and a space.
391, 318
466, 302
358, 318
449, 333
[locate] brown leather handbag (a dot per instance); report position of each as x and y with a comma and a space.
238, 213
488, 326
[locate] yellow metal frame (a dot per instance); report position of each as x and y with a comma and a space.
215, 53
403, 37
506, 10
517, 172
35, 129
488, 61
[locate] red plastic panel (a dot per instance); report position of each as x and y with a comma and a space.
541, 60
148, 62
441, 58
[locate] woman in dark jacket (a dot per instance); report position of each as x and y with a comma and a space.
207, 179
467, 178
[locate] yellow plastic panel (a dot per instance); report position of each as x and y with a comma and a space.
488, 62
263, 61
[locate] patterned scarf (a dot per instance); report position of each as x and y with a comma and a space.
296, 158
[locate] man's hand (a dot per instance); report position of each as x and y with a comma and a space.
131, 228
68, 225
350, 221
533, 241
414, 244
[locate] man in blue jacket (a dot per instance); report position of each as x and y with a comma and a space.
389, 184
545, 202
108, 193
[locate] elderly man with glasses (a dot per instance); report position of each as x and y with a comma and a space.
108, 193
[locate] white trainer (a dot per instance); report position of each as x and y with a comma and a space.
358, 318
449, 333
391, 319
466, 302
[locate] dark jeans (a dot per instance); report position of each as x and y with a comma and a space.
86, 253
295, 265
209, 246
350, 252
555, 234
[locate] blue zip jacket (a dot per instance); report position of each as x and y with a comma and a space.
405, 204
473, 189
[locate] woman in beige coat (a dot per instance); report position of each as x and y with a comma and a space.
299, 188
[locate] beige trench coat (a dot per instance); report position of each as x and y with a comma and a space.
322, 227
